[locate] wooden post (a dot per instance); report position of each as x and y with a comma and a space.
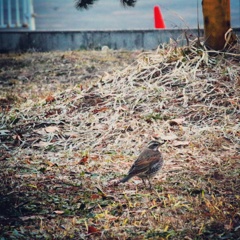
216, 15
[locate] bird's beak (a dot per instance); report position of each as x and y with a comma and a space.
161, 141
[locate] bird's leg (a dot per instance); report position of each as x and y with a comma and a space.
144, 182
149, 182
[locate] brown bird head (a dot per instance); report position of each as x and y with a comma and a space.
154, 145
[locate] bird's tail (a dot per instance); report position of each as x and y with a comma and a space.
125, 179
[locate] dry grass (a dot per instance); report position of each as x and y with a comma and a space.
64, 149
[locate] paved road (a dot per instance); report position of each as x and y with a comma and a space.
108, 14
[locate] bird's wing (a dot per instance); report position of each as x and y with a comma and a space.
146, 159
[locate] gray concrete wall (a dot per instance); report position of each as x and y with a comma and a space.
76, 40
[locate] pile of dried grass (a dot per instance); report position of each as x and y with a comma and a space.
126, 109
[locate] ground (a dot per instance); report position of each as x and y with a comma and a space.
72, 123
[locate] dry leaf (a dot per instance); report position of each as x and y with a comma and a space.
95, 157
49, 163
27, 218
92, 229
83, 160
170, 137
72, 134
95, 196
41, 144
50, 99
59, 212
102, 109
180, 143
176, 121
27, 161
52, 129
40, 131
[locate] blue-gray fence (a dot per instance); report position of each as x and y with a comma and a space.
17, 14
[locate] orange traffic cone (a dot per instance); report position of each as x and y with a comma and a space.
158, 18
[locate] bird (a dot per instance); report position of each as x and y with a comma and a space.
147, 165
